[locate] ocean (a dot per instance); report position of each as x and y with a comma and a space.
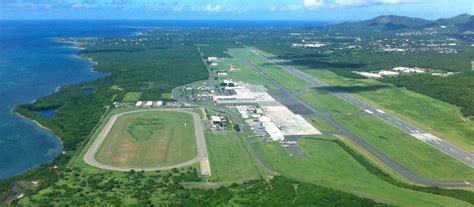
33, 65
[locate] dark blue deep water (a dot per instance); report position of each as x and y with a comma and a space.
32, 65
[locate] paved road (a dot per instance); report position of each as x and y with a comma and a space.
341, 130
201, 156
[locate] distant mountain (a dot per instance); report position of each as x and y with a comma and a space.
457, 20
396, 22
391, 22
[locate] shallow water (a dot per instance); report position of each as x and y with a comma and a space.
33, 65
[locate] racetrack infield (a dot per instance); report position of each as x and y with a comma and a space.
149, 139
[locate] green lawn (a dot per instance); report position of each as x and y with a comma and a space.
439, 118
327, 102
405, 149
319, 123
132, 96
229, 157
277, 73
150, 138
329, 165
166, 96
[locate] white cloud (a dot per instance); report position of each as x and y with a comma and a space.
312, 3
305, 4
374, 2
83, 5
215, 8
212, 8
26, 5
350, 2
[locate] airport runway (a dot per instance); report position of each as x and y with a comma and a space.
202, 155
436, 142
293, 94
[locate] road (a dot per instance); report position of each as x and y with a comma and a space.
202, 155
406, 173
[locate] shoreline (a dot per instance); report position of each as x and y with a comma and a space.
38, 124
42, 127
77, 46
74, 45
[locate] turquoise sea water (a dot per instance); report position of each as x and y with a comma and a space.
32, 65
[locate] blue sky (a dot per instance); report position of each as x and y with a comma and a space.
317, 10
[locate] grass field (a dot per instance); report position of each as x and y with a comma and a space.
329, 165
277, 73
319, 123
229, 157
132, 96
439, 118
166, 96
405, 149
327, 102
147, 139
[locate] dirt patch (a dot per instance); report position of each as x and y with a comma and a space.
126, 152
159, 153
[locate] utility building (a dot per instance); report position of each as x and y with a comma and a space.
139, 104
149, 104
217, 121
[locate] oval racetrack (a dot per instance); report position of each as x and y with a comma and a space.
201, 156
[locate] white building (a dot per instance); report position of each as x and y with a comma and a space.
408, 70
217, 121
368, 75
149, 104
159, 103
216, 98
211, 59
139, 104
222, 73
388, 73
229, 83
271, 128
